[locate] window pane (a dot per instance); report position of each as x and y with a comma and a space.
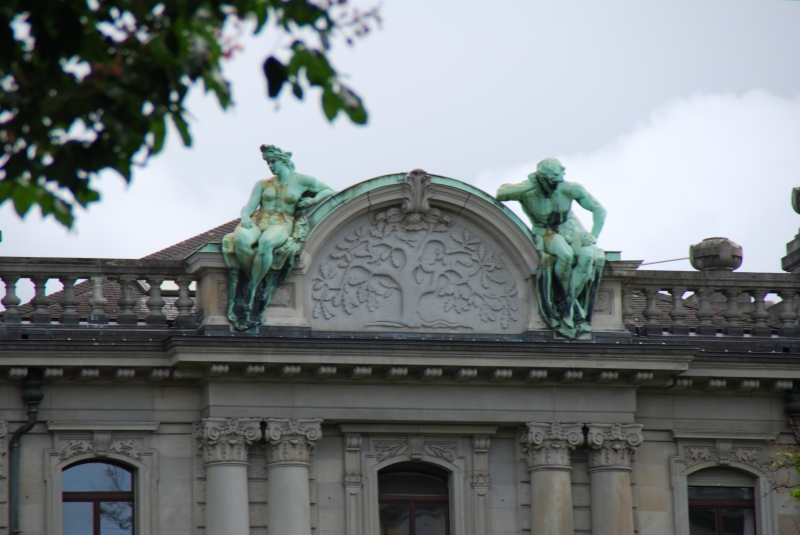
411, 483
90, 477
78, 518
702, 521
724, 493
738, 522
394, 519
116, 518
431, 519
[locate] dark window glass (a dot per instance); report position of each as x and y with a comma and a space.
721, 511
413, 500
97, 499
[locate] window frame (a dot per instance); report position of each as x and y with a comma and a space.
718, 504
413, 499
98, 497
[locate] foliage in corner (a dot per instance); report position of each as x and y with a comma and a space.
89, 85
786, 460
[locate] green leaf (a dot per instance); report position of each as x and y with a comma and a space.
276, 74
183, 128
330, 104
158, 128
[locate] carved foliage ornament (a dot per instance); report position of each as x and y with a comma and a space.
415, 448
226, 440
101, 447
550, 444
291, 440
723, 453
612, 445
418, 270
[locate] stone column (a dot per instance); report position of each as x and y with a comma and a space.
611, 447
548, 447
290, 442
224, 442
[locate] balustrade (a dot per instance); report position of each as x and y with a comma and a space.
732, 304
98, 292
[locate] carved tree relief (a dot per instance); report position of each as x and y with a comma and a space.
415, 270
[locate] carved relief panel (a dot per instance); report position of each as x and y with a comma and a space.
415, 268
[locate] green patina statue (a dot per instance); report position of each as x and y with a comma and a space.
260, 252
571, 263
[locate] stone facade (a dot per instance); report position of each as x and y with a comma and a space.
397, 340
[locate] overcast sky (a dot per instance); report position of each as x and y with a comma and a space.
681, 117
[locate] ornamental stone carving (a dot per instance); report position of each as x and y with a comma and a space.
291, 440
414, 267
226, 440
480, 462
71, 448
415, 447
547, 446
611, 446
101, 444
723, 453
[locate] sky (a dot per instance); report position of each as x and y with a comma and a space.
682, 118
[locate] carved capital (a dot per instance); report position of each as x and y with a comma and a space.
226, 440
611, 446
480, 461
352, 459
547, 446
291, 440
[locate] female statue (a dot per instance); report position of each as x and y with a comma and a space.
260, 252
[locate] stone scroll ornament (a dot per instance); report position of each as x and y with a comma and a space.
260, 251
412, 253
571, 264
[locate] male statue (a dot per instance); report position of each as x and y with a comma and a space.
569, 274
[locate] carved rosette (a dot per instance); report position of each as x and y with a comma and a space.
226, 440
547, 446
291, 440
611, 446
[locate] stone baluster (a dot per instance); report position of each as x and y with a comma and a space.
353, 485
98, 302
184, 304
547, 448
788, 314
704, 314
760, 315
289, 446
651, 313
126, 302
69, 304
41, 314
480, 484
224, 443
611, 448
732, 313
155, 303
627, 311
11, 301
678, 312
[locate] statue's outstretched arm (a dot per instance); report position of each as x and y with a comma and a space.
513, 192
321, 189
252, 205
591, 204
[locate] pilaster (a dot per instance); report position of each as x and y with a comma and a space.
480, 483
611, 448
353, 484
547, 447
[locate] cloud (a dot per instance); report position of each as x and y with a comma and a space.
704, 166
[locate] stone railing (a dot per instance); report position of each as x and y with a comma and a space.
108, 291
710, 302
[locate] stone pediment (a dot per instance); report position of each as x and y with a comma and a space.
420, 254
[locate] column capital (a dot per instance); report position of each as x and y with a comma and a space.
612, 445
548, 445
290, 440
226, 440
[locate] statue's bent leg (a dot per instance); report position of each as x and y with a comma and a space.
583, 271
557, 246
244, 241
273, 237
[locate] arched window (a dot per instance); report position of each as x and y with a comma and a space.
97, 499
413, 500
721, 502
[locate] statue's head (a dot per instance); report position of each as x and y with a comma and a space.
273, 154
549, 174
